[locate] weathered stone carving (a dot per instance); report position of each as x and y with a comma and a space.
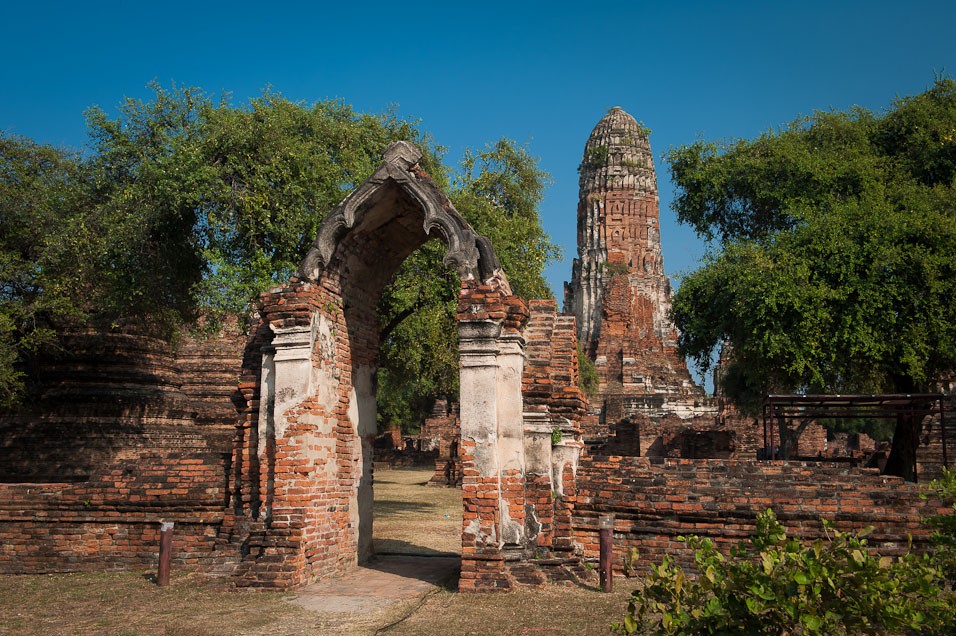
370, 205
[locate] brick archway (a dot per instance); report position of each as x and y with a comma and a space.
303, 460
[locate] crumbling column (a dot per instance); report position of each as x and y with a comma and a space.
285, 383
539, 500
482, 564
564, 465
511, 447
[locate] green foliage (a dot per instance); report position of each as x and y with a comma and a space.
588, 380
629, 562
556, 436
775, 585
39, 188
615, 269
419, 353
498, 191
836, 264
944, 526
595, 157
186, 206
879, 429
276, 168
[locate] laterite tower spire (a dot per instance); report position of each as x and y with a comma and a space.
618, 290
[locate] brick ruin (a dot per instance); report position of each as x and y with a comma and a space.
620, 296
262, 456
257, 444
441, 433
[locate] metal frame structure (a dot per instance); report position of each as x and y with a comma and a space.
885, 406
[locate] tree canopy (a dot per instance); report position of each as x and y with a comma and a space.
833, 268
185, 206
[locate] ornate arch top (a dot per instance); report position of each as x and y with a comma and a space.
468, 252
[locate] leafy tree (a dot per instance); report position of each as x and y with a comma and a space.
186, 206
588, 378
835, 262
775, 585
498, 191
39, 186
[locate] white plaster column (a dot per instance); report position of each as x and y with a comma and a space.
478, 368
478, 351
292, 362
567, 452
537, 444
286, 381
511, 457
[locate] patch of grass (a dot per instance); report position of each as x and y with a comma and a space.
412, 518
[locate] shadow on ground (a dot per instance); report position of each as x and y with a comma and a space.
442, 570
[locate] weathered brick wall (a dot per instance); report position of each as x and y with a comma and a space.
657, 500
298, 486
484, 495
442, 432
123, 432
694, 438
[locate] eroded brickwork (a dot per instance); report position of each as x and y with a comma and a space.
618, 290
124, 433
655, 501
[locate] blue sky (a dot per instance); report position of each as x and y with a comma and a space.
540, 73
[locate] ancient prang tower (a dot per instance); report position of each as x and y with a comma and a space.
618, 291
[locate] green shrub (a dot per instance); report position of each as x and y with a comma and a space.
944, 526
775, 585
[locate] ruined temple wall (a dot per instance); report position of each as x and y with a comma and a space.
491, 321
655, 501
675, 437
124, 432
301, 457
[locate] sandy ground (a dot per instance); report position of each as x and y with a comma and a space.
411, 518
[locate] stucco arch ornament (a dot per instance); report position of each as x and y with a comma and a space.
468, 252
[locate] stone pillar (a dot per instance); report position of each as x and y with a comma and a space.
482, 564
539, 501
285, 383
509, 406
564, 461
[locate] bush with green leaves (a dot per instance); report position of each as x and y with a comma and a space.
944, 526
773, 584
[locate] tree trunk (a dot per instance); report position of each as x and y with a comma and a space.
902, 459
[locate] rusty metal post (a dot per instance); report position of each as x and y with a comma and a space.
606, 533
165, 552
942, 429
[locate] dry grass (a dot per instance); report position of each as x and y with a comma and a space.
129, 604
408, 518
412, 518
